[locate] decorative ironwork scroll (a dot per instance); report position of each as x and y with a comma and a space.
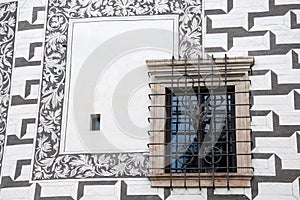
200, 133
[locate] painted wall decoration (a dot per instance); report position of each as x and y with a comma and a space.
48, 163
8, 13
275, 76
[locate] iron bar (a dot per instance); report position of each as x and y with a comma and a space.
193, 113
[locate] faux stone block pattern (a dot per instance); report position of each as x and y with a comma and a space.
266, 29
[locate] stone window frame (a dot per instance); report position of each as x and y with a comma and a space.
237, 67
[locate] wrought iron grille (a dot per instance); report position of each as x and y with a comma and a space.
199, 135
185, 138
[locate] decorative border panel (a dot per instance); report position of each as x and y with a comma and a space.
48, 162
8, 15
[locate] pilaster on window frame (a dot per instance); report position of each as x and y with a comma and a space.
200, 122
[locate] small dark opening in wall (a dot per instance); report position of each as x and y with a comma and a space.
95, 122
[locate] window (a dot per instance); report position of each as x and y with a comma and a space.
188, 139
200, 123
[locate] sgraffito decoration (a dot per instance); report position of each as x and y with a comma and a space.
48, 162
8, 13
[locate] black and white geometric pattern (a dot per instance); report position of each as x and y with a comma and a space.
266, 29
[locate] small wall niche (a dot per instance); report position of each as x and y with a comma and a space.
95, 122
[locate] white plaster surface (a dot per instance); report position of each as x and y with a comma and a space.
97, 33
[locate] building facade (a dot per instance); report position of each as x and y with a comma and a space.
75, 114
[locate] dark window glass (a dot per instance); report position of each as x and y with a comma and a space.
193, 145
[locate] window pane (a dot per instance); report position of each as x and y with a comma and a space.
199, 132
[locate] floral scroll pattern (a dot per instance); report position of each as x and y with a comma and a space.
48, 163
7, 39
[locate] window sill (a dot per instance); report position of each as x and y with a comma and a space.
237, 70
205, 180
